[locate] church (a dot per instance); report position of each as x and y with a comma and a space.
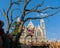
34, 34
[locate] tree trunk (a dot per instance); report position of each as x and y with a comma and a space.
20, 30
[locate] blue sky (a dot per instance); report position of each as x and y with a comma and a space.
52, 23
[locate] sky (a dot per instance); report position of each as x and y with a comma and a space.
52, 23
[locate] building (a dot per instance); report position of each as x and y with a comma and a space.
39, 34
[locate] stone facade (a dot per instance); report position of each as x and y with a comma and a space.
39, 34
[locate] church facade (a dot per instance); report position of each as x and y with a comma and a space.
33, 33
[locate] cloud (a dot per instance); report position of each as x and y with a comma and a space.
43, 14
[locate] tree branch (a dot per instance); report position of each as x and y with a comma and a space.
40, 11
26, 3
50, 8
39, 5
11, 16
4, 13
34, 18
12, 3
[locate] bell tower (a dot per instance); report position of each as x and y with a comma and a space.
42, 25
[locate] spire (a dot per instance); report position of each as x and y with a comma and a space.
30, 24
42, 25
39, 28
18, 19
41, 20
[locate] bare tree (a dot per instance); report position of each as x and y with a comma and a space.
24, 12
